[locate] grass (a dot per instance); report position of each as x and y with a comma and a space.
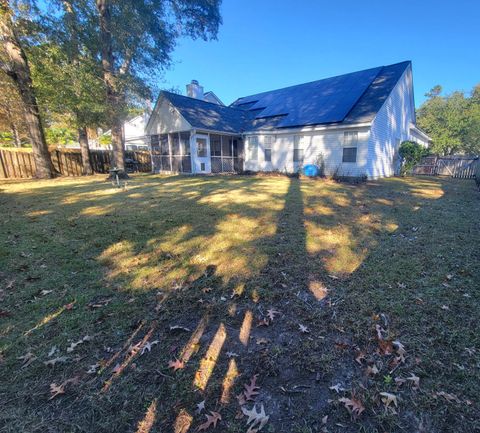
211, 255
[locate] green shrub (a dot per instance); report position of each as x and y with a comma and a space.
411, 154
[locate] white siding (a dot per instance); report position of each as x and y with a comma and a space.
166, 118
317, 146
390, 127
134, 131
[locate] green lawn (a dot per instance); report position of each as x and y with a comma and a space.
384, 276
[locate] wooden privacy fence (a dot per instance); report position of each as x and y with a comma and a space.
463, 167
19, 163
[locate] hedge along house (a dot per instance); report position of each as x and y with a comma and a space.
350, 124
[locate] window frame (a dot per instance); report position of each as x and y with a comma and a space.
347, 160
267, 147
298, 149
267, 154
350, 144
204, 153
253, 147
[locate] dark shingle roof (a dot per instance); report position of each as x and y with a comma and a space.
208, 115
372, 100
323, 101
349, 98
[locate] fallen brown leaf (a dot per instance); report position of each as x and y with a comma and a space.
54, 361
388, 398
353, 405
271, 313
257, 420
178, 364
372, 370
56, 390
251, 388
263, 322
303, 329
360, 357
212, 419
27, 359
447, 396
415, 381
148, 346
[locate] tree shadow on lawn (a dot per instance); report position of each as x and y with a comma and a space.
212, 255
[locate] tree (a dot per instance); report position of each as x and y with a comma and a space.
453, 121
411, 154
11, 110
137, 36
14, 63
67, 71
69, 92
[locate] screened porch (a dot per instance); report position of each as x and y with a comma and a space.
196, 152
226, 153
171, 152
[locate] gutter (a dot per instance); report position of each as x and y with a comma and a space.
308, 129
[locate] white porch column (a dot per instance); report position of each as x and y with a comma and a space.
193, 150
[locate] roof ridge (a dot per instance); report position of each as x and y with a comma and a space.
201, 100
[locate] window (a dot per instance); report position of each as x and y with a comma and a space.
201, 147
202, 166
268, 155
253, 147
350, 141
349, 154
298, 149
267, 141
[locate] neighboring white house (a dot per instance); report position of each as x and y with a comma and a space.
351, 124
134, 132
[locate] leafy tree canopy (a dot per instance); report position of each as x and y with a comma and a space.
452, 121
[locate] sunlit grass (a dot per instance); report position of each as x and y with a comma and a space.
204, 258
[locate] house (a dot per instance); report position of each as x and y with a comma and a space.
133, 131
350, 124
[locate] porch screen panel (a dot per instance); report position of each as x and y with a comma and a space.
226, 146
176, 148
186, 162
215, 145
185, 143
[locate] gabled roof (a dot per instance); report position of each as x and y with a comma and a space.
208, 115
345, 99
211, 97
351, 98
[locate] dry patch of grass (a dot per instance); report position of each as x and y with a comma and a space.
336, 296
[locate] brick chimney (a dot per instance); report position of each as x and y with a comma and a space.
194, 90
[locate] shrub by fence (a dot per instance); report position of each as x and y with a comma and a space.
19, 163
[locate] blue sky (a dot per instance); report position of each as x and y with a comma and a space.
268, 44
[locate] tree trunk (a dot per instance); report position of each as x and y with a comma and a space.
117, 144
83, 140
16, 135
19, 70
73, 53
114, 97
